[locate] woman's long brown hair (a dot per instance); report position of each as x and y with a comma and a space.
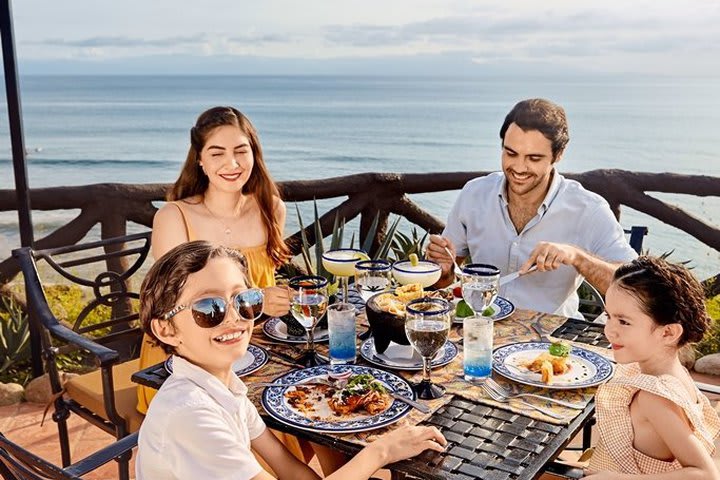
193, 181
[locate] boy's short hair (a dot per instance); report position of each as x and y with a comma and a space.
668, 293
166, 279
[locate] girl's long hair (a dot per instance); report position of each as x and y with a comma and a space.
193, 181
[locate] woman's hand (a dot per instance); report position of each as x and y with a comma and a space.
277, 301
407, 441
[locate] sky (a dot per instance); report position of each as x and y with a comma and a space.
655, 37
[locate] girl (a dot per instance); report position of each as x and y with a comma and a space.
652, 419
196, 304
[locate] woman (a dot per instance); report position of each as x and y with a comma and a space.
225, 195
196, 304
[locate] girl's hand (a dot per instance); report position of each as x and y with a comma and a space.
407, 441
277, 301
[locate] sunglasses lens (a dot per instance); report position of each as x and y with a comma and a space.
209, 312
249, 304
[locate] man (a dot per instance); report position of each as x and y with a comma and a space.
529, 214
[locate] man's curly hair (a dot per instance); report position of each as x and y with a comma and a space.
166, 279
668, 293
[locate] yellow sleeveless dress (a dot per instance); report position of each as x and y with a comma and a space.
614, 451
262, 275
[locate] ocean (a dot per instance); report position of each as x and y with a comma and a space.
135, 129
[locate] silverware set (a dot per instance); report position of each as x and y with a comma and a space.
496, 392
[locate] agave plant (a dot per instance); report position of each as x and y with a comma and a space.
14, 334
403, 245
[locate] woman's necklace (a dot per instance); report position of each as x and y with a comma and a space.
228, 231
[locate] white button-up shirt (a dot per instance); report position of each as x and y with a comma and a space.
196, 427
479, 225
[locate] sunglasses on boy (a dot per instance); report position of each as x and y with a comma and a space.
210, 312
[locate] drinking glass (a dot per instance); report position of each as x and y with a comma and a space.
427, 325
341, 326
478, 345
341, 263
480, 286
371, 277
425, 272
308, 303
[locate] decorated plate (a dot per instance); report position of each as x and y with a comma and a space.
502, 308
253, 360
587, 369
275, 402
277, 330
404, 357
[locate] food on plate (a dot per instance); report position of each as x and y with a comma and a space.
457, 292
409, 292
361, 394
553, 362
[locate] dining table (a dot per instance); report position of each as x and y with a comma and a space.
486, 439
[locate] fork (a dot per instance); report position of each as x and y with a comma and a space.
311, 381
502, 399
506, 393
456, 268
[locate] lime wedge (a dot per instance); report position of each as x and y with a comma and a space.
414, 260
463, 310
361, 256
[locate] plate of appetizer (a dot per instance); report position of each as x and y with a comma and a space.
555, 365
319, 400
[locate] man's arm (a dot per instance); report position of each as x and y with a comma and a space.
549, 256
437, 253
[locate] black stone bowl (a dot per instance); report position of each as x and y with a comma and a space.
385, 326
296, 329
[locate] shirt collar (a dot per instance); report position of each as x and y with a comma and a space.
225, 396
557, 179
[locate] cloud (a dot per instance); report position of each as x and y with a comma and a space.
121, 41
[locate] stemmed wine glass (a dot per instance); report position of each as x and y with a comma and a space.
480, 286
371, 277
427, 325
341, 263
308, 303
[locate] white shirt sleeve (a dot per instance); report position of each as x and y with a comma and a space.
607, 237
205, 446
255, 424
456, 229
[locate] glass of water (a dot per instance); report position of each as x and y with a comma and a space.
341, 325
480, 286
427, 325
308, 302
371, 277
478, 345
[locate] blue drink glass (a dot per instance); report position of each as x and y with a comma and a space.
478, 346
341, 326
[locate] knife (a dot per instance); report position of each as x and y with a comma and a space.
412, 403
512, 276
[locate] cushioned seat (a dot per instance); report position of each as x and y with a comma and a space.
87, 390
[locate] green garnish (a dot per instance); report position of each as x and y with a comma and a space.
360, 384
488, 312
560, 349
463, 310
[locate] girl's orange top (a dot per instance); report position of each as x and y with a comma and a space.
615, 451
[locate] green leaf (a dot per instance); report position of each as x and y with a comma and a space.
305, 247
367, 243
319, 246
336, 239
385, 246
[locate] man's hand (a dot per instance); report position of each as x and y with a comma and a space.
436, 252
277, 301
549, 256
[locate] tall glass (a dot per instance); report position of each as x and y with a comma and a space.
480, 286
341, 263
341, 328
477, 348
308, 303
371, 277
427, 325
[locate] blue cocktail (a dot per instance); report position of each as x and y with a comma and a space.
341, 326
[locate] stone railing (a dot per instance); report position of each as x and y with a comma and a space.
369, 195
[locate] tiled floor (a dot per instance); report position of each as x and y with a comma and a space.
21, 424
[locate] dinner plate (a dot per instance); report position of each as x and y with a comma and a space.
253, 360
276, 405
502, 308
404, 357
588, 369
277, 330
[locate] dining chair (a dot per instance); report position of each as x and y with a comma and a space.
104, 332
16, 463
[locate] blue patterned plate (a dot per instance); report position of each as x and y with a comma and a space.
502, 307
404, 357
276, 405
587, 369
255, 358
277, 330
